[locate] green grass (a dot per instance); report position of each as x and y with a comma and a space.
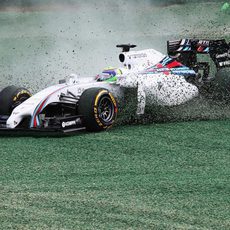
160, 176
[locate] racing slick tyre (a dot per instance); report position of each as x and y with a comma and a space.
221, 84
11, 97
98, 108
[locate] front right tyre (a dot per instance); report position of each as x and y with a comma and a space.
99, 109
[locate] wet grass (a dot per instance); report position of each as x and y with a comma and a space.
162, 176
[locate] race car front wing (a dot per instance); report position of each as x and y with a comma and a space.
52, 126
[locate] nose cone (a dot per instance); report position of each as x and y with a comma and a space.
13, 121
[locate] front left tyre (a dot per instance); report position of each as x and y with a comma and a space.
11, 97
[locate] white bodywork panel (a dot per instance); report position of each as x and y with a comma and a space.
136, 61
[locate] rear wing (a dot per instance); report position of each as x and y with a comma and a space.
187, 49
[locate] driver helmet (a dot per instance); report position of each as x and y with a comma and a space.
109, 74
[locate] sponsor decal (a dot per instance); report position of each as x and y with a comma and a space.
65, 124
21, 93
140, 55
225, 55
96, 117
98, 96
203, 43
224, 63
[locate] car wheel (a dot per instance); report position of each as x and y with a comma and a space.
221, 85
99, 109
11, 97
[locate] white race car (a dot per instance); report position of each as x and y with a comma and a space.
92, 103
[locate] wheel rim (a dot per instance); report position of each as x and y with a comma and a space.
106, 109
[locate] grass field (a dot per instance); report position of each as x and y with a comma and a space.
159, 176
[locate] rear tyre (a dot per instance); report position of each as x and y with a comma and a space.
11, 97
99, 109
221, 84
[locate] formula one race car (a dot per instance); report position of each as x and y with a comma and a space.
91, 103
